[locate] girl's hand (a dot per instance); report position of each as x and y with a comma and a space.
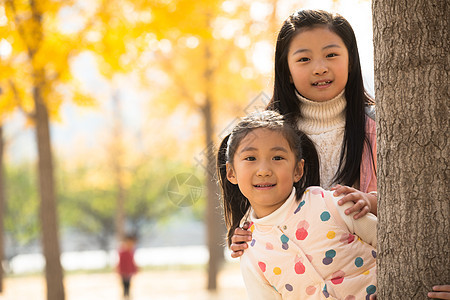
239, 240
440, 292
364, 202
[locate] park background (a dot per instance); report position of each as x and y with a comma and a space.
129, 87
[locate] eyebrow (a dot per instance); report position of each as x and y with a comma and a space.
277, 148
301, 50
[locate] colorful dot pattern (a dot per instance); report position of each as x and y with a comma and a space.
284, 242
299, 206
290, 259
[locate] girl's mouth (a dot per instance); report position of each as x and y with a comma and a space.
322, 83
265, 185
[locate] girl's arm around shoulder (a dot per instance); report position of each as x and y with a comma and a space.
362, 203
257, 286
365, 227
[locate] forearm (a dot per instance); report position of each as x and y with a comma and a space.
373, 199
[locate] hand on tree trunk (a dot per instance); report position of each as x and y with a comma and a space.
440, 292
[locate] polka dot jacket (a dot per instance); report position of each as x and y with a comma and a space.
304, 250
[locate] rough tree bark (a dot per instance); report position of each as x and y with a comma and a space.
412, 94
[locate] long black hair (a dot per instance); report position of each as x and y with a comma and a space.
235, 204
286, 102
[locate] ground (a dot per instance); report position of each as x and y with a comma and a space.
174, 283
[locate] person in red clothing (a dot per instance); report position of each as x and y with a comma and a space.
127, 267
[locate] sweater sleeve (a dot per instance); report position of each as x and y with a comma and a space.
364, 227
257, 287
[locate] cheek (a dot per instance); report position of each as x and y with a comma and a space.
299, 80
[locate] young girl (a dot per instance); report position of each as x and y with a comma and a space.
304, 246
318, 87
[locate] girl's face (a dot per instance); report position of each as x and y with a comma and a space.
318, 62
265, 168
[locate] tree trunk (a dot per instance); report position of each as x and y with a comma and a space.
117, 162
48, 209
216, 238
2, 205
214, 217
411, 85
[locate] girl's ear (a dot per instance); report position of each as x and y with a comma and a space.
231, 176
298, 172
290, 79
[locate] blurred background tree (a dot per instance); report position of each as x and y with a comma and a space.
37, 68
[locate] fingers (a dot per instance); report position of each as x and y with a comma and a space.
342, 189
440, 292
441, 288
246, 225
238, 246
239, 240
362, 213
335, 187
439, 295
236, 254
241, 236
238, 249
349, 197
361, 205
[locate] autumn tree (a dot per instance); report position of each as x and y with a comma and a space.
38, 69
28, 20
411, 83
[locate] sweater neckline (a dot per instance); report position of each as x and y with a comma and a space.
318, 117
278, 216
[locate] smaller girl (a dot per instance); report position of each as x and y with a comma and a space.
304, 246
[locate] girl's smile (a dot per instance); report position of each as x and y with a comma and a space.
265, 168
264, 186
318, 62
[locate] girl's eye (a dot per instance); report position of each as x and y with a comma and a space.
303, 59
250, 158
278, 158
332, 55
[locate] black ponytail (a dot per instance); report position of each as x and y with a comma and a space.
311, 173
235, 205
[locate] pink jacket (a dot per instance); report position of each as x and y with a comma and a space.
368, 177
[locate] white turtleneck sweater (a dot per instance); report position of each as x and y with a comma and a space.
324, 123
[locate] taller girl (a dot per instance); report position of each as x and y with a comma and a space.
319, 88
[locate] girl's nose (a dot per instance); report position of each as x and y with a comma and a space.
320, 69
263, 172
